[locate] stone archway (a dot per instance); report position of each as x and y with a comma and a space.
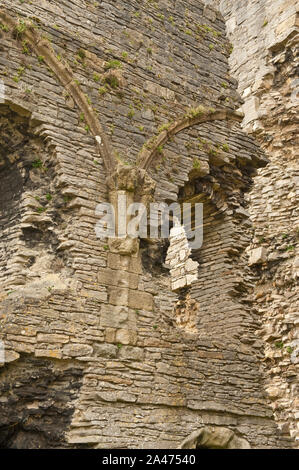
214, 438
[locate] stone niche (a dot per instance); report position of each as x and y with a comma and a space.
214, 438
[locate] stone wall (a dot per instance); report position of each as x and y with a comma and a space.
94, 84
264, 36
37, 402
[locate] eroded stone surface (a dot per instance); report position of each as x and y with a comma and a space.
156, 365
265, 66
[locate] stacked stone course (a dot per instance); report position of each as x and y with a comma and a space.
265, 65
143, 366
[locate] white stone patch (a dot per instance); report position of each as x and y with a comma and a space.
183, 269
250, 109
98, 139
2, 91
257, 256
231, 25
1, 353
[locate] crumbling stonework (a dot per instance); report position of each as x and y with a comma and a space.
265, 65
37, 402
99, 97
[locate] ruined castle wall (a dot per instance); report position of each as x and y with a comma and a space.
264, 36
109, 319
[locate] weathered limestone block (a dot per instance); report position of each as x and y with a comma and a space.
257, 256
142, 300
126, 246
116, 277
124, 336
77, 350
117, 316
108, 351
